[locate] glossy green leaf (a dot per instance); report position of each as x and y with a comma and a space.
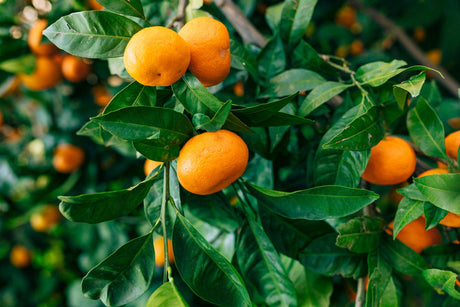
442, 281
147, 123
24, 64
312, 289
292, 81
402, 258
360, 234
104, 206
324, 257
426, 129
124, 275
166, 295
125, 7
442, 190
273, 15
156, 150
214, 279
381, 290
442, 256
92, 34
305, 56
413, 86
242, 59
433, 215
339, 167
197, 99
272, 59
295, 17
377, 73
261, 267
320, 95
318, 203
202, 121
412, 192
362, 133
290, 236
408, 210
134, 94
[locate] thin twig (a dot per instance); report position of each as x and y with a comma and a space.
179, 20
448, 81
361, 292
242, 25
164, 205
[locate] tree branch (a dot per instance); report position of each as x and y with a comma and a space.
448, 81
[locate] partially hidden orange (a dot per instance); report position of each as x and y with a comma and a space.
150, 165
416, 237
67, 158
75, 69
452, 144
34, 39
158, 246
47, 74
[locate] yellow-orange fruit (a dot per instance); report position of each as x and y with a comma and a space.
238, 88
419, 34
94, 5
356, 47
416, 237
158, 246
392, 161
435, 56
35, 39
47, 74
156, 56
346, 17
20, 256
150, 165
452, 144
68, 158
211, 161
45, 219
75, 69
209, 43
454, 122
394, 196
101, 95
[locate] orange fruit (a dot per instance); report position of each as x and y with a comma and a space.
94, 5
454, 122
238, 88
441, 165
435, 56
74, 68
20, 256
342, 51
101, 95
209, 43
45, 219
451, 219
356, 47
35, 39
156, 56
419, 34
346, 17
158, 246
416, 237
452, 144
211, 161
68, 158
394, 196
47, 74
392, 161
1, 119
150, 165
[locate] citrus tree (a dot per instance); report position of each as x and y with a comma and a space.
276, 173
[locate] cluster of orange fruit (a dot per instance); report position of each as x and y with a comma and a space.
159, 56
392, 162
347, 17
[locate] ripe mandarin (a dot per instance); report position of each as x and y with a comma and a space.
47, 74
150, 165
68, 158
452, 144
75, 69
34, 39
416, 237
158, 246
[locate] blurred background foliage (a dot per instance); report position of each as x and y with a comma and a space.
42, 256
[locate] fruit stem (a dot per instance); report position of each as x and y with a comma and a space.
164, 204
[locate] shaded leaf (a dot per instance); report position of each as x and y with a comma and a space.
402, 258
134, 94
215, 123
433, 215
292, 81
413, 86
320, 95
272, 59
411, 191
243, 60
24, 64
408, 211
360, 234
295, 17
125, 7
381, 290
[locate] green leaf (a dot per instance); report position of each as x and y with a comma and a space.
166, 295
413, 86
362, 133
117, 67
202, 121
92, 34
214, 279
412, 192
426, 129
134, 94
442, 256
381, 290
360, 234
442, 281
312, 289
295, 17
290, 236
305, 56
125, 7
408, 210
339, 167
377, 73
324, 257
272, 59
147, 123
292, 81
157, 150
124, 275
242, 59
433, 215
24, 64
261, 267
320, 95
197, 99
401, 257
318, 203
442, 190
104, 206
